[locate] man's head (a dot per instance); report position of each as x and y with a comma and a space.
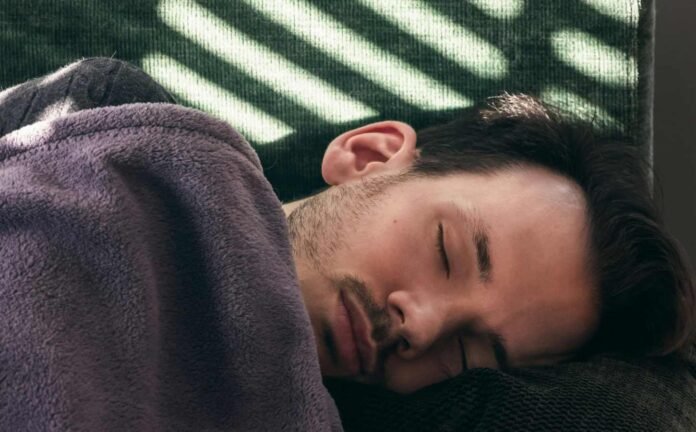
508, 229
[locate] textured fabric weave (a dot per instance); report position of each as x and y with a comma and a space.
604, 394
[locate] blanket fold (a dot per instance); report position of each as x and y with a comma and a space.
147, 281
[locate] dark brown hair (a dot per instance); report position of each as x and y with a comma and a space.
646, 289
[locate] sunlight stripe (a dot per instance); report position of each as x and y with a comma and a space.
626, 11
445, 36
347, 47
252, 123
594, 58
501, 9
256, 60
579, 106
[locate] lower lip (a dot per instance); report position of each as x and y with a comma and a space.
347, 347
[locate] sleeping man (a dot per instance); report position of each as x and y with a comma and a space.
150, 281
504, 239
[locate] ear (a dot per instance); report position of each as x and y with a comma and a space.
371, 149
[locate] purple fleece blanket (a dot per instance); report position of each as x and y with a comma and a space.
147, 282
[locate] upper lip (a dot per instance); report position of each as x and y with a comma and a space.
361, 332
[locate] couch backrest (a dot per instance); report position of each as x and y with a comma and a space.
292, 74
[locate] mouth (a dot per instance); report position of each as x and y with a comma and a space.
366, 349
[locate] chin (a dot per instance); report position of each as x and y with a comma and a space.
406, 386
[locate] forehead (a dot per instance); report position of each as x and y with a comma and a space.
541, 297
521, 195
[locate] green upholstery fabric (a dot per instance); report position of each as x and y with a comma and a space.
292, 74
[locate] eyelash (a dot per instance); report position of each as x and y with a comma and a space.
441, 248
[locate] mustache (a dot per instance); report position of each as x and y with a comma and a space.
379, 317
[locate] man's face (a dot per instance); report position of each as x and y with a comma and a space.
384, 308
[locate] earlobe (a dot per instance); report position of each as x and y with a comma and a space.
374, 148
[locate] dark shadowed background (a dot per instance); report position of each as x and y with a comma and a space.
675, 117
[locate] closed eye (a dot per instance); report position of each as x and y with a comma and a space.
441, 248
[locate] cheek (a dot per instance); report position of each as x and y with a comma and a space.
389, 251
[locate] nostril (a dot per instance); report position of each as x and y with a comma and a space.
400, 314
404, 345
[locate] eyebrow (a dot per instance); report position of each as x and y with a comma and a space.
480, 239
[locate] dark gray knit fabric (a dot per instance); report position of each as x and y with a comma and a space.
603, 394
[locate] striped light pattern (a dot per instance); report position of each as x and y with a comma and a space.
580, 106
595, 59
450, 39
259, 62
626, 11
254, 124
501, 9
357, 53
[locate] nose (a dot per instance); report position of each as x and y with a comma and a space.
418, 324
